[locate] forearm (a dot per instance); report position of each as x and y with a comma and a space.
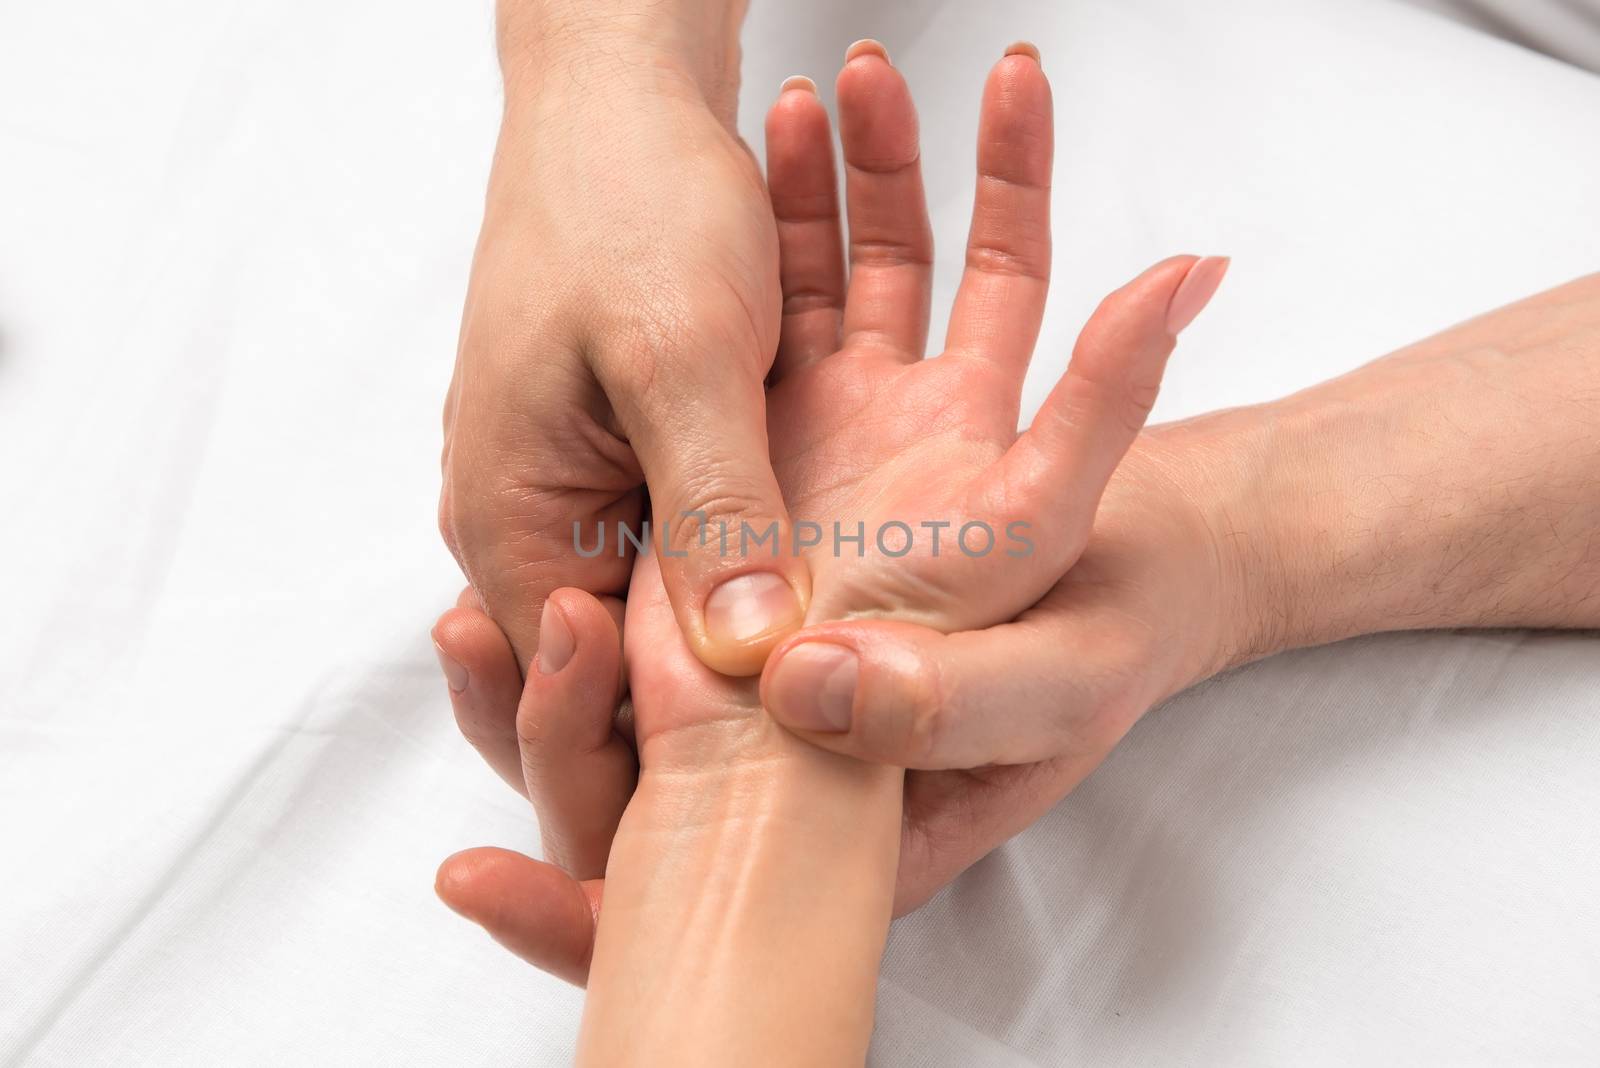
1453, 484
746, 907
549, 44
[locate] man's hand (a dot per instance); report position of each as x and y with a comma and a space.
1452, 484
1449, 485
621, 319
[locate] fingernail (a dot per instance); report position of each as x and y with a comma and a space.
814, 687
455, 676
1195, 292
867, 47
798, 81
748, 606
1023, 48
556, 644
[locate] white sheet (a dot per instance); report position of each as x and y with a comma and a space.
1566, 29
233, 244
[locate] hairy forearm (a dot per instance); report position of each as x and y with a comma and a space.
1453, 484
747, 902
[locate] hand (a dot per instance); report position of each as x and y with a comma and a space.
621, 319
871, 434
1146, 610
862, 428
953, 519
1448, 485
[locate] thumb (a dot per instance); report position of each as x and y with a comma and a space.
728, 556
895, 693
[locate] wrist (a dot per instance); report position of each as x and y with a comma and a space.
1185, 503
678, 46
1447, 485
742, 902
1271, 556
762, 781
1257, 485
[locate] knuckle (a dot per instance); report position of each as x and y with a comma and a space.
1136, 401
531, 734
1011, 256
651, 357
630, 349
555, 840
886, 164
446, 520
1072, 406
800, 208
927, 713
1094, 725
715, 506
481, 736
467, 524
801, 300
1112, 680
888, 250
1087, 402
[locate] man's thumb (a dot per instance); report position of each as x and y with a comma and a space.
727, 548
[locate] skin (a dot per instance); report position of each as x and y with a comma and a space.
742, 843
741, 846
1450, 484
621, 318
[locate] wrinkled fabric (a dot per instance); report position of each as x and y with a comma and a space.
234, 242
1566, 29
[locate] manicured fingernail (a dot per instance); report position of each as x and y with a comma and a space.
814, 687
556, 644
748, 606
1195, 292
455, 676
867, 47
1023, 48
798, 81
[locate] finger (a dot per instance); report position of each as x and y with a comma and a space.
720, 526
535, 910
485, 684
515, 563
901, 694
1000, 303
805, 203
953, 819
1051, 479
578, 769
891, 242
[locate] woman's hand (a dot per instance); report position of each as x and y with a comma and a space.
924, 504
621, 319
